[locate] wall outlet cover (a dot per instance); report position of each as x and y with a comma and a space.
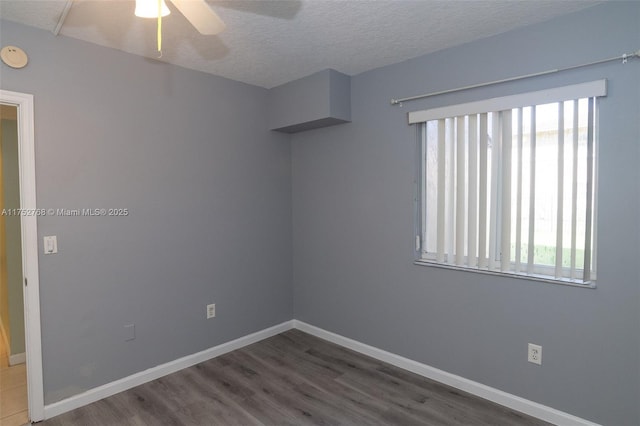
211, 310
129, 332
534, 354
50, 244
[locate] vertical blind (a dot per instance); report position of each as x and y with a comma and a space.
508, 183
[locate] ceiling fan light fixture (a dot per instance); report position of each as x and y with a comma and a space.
149, 8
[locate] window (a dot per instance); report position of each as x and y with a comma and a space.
508, 185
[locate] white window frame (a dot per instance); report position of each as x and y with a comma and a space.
593, 89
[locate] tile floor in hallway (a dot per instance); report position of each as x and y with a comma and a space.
13, 391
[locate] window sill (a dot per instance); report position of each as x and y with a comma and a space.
590, 285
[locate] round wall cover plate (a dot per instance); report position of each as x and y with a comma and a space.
14, 56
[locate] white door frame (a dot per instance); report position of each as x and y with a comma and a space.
29, 225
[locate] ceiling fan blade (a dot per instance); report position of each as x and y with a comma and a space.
201, 16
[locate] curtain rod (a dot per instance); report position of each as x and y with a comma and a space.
623, 58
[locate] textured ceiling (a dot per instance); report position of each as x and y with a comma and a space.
271, 42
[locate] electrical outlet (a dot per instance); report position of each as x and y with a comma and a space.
535, 354
129, 332
211, 310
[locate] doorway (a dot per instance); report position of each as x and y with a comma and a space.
25, 318
13, 374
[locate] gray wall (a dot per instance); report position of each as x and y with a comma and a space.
208, 188
353, 228
13, 244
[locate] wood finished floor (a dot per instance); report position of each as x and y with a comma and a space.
293, 379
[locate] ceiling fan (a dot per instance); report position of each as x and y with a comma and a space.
197, 12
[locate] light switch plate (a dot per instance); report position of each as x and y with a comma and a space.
50, 244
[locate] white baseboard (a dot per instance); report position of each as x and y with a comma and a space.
18, 358
153, 373
514, 402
